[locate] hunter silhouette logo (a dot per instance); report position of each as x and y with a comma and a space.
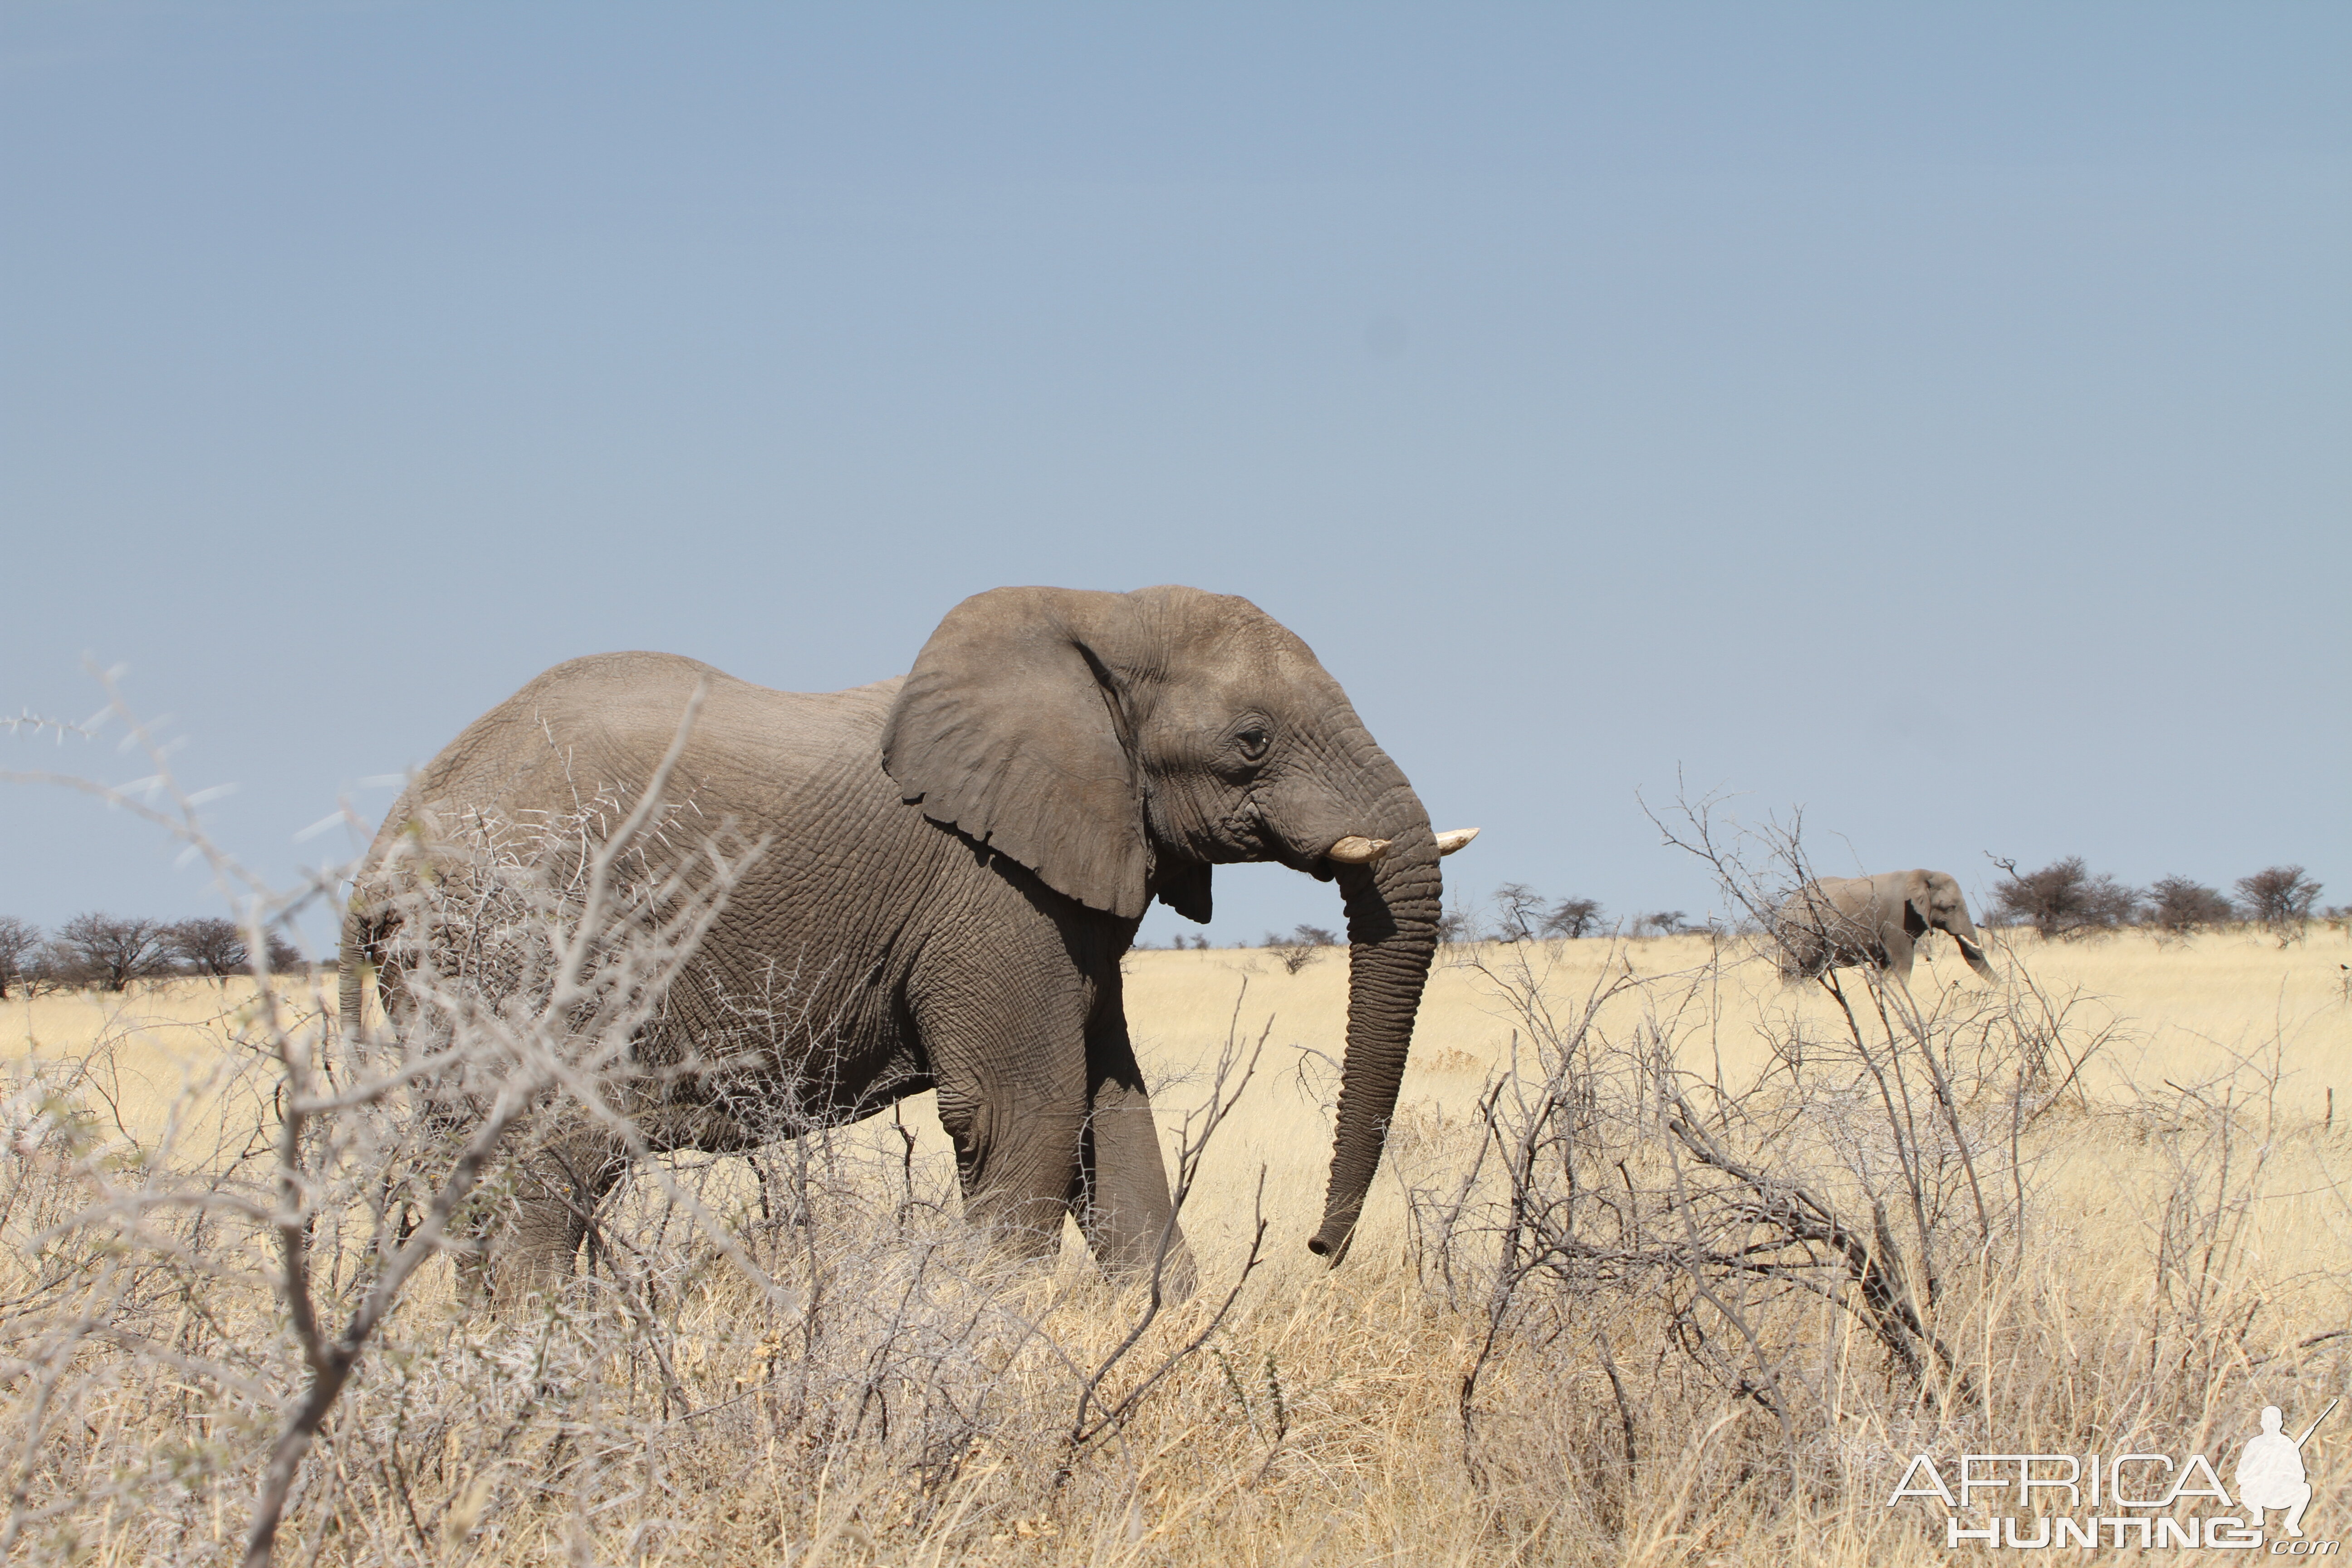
2270, 1471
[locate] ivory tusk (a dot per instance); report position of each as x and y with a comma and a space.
1354, 851
1453, 838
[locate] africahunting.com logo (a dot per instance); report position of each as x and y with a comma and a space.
2029, 1502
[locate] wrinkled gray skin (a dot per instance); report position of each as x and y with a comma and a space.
957, 861
1835, 921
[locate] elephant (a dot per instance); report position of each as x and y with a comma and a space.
1835, 921
955, 862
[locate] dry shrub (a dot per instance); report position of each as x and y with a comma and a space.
818, 1317
1722, 1309
1302, 947
258, 1328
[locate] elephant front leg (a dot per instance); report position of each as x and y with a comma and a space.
1898, 951
557, 1186
1122, 1202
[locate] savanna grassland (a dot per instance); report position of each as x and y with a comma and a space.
2100, 1207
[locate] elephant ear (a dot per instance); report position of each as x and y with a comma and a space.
1010, 728
1918, 905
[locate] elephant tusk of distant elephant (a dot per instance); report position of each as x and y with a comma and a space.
1354, 851
1453, 838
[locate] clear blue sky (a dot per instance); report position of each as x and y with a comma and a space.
1932, 417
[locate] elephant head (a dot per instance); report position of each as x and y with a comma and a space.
1932, 901
1120, 745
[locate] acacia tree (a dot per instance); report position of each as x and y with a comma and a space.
1573, 918
1300, 948
19, 940
208, 945
2280, 897
1520, 909
2063, 899
2180, 905
109, 951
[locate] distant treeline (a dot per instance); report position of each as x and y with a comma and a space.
108, 953
2065, 899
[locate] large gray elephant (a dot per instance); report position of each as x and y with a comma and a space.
956, 862
1836, 922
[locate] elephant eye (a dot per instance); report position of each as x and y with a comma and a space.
1253, 742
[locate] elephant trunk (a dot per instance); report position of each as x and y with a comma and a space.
1964, 931
1392, 906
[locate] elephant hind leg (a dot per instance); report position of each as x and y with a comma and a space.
1016, 1171
1011, 1097
1039, 1091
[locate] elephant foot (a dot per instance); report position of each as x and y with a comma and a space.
1015, 1244
471, 1260
1136, 1266
535, 1254
527, 1270
1180, 1277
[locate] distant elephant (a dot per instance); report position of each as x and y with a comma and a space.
1834, 921
956, 860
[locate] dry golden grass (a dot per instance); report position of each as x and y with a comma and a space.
164, 1040
1323, 1423
2184, 1011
